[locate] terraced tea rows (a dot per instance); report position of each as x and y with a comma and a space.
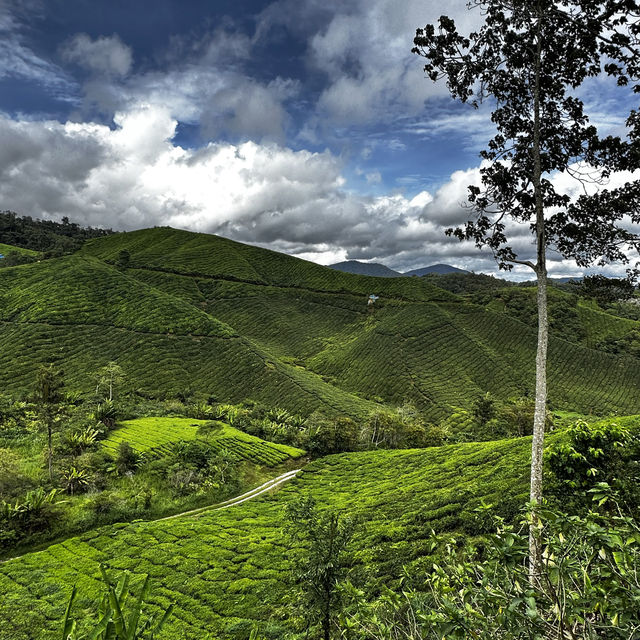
9, 248
157, 437
241, 322
197, 254
224, 570
439, 356
81, 291
144, 434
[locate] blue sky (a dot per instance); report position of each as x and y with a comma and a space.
306, 126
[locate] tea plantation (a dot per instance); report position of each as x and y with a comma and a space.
226, 569
8, 248
230, 321
156, 437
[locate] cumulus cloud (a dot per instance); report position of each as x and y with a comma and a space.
363, 48
103, 55
134, 176
203, 83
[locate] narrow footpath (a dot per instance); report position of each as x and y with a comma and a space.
232, 502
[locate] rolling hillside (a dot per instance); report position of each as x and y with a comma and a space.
366, 269
8, 248
226, 569
199, 312
156, 437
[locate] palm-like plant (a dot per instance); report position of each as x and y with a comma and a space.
113, 623
75, 479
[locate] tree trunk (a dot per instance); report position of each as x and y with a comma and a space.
326, 622
539, 419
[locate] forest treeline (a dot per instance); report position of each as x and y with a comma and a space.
45, 236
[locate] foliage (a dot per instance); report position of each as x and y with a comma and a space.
77, 442
331, 435
606, 290
484, 409
293, 348
11, 477
45, 235
108, 379
113, 622
127, 459
158, 437
588, 588
531, 59
226, 570
28, 516
75, 480
48, 397
589, 454
14, 256
625, 345
321, 566
106, 413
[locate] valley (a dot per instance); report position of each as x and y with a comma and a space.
234, 365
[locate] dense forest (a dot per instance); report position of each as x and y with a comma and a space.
45, 236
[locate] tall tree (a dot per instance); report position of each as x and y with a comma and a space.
320, 565
109, 377
530, 58
48, 397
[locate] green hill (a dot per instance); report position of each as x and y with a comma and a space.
156, 436
199, 254
8, 248
82, 313
217, 317
225, 569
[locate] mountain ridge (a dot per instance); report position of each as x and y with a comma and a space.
236, 321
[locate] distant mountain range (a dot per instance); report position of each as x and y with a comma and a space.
435, 268
379, 270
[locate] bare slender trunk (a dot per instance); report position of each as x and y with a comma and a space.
537, 445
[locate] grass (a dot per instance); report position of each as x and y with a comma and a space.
225, 570
5, 249
156, 436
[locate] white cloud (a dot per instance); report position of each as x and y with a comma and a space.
104, 55
17, 60
203, 84
134, 176
365, 52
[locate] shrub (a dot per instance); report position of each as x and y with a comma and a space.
127, 459
589, 454
12, 480
588, 588
112, 622
106, 414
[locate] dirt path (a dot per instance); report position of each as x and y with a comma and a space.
254, 493
249, 495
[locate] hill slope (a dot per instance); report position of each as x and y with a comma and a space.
439, 269
82, 313
221, 318
8, 248
226, 569
366, 269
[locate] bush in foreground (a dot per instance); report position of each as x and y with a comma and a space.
588, 588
